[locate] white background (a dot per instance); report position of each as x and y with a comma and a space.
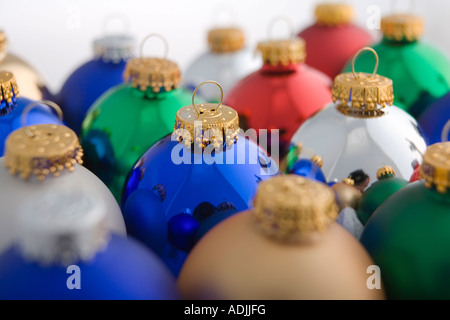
55, 36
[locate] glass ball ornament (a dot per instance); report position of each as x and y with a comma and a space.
362, 131
32, 83
39, 160
435, 120
283, 93
13, 106
129, 118
227, 60
407, 236
287, 247
190, 180
420, 71
333, 39
65, 252
93, 78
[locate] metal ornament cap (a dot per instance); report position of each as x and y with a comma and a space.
114, 48
385, 172
155, 73
41, 150
291, 208
3, 45
222, 40
400, 27
436, 167
8, 91
284, 52
334, 14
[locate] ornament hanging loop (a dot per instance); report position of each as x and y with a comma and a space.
412, 4
115, 17
228, 9
51, 104
198, 87
166, 44
356, 56
274, 21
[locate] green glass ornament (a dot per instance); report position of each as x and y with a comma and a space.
420, 72
129, 118
378, 192
408, 235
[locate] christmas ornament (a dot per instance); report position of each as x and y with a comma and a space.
94, 77
287, 247
227, 60
333, 39
309, 168
64, 251
200, 173
39, 160
359, 132
435, 120
407, 236
347, 196
283, 93
420, 72
12, 108
378, 192
114, 136
32, 84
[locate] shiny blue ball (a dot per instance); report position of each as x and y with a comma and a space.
308, 169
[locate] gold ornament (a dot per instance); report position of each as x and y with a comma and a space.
436, 167
334, 14
402, 27
206, 124
8, 89
362, 94
346, 194
223, 40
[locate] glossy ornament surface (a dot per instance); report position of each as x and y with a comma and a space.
12, 107
40, 160
287, 247
197, 181
283, 93
65, 252
32, 84
420, 71
408, 237
435, 120
333, 39
125, 121
361, 132
227, 61
93, 78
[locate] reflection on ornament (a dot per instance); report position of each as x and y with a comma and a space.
333, 39
12, 107
38, 161
420, 72
228, 60
93, 78
208, 170
362, 131
64, 251
287, 247
32, 84
125, 121
283, 93
407, 236
435, 120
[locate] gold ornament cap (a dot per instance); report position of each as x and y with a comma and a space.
348, 181
206, 123
3, 45
42, 149
399, 27
385, 172
334, 14
290, 207
436, 166
222, 40
361, 94
284, 52
9, 91
158, 74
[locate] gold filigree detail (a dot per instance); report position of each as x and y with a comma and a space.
385, 172
284, 52
402, 27
8, 86
334, 14
223, 40
436, 166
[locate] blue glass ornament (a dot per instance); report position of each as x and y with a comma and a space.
308, 169
11, 111
92, 79
435, 120
197, 179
